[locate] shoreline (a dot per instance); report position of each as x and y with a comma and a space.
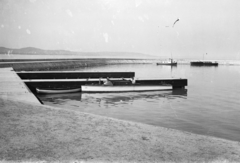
33, 132
44, 64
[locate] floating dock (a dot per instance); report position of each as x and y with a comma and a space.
74, 79
67, 79
22, 85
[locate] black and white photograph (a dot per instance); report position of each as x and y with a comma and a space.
119, 81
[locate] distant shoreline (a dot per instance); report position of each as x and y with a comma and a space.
29, 57
58, 62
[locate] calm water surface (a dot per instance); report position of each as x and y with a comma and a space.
210, 104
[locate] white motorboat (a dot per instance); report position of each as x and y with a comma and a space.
124, 88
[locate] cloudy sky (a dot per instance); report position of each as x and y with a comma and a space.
205, 27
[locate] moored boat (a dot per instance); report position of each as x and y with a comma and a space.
167, 63
170, 62
203, 63
53, 91
124, 88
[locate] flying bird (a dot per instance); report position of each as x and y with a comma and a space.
175, 22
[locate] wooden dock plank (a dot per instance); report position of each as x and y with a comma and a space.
73, 75
11, 86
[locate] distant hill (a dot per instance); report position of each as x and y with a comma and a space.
37, 51
31, 50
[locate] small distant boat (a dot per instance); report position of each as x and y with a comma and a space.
203, 63
171, 63
166, 63
124, 88
55, 91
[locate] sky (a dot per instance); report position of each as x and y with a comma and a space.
208, 29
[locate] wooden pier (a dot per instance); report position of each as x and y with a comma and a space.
66, 79
23, 84
74, 79
12, 87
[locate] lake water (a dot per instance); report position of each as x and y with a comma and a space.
209, 105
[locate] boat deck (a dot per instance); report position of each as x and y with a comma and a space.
11, 86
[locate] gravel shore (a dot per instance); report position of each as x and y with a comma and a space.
36, 133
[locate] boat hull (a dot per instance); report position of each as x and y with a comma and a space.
170, 64
53, 91
125, 88
200, 63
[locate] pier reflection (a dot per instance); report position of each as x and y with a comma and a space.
121, 98
62, 96
113, 98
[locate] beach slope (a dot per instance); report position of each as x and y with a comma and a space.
32, 132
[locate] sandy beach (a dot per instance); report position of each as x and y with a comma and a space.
31, 132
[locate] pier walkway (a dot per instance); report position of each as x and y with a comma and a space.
11, 86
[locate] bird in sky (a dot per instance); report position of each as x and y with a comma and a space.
175, 22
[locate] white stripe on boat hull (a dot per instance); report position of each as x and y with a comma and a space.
125, 88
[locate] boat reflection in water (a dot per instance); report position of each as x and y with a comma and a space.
159, 108
111, 98
61, 96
